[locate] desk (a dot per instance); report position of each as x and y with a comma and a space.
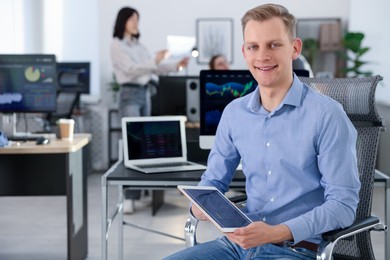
118, 175
58, 168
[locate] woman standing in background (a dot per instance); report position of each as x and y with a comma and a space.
135, 69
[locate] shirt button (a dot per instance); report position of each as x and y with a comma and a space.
269, 172
264, 219
272, 199
268, 144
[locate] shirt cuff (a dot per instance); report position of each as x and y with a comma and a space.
299, 229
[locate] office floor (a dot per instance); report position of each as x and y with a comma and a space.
34, 228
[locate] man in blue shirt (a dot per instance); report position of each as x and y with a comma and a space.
297, 149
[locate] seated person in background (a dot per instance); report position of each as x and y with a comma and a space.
298, 151
218, 62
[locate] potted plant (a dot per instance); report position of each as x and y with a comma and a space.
114, 86
352, 43
310, 50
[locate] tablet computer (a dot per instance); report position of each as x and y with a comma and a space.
216, 206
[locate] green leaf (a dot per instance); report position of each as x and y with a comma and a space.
362, 51
352, 43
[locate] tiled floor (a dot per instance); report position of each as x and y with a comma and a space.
33, 228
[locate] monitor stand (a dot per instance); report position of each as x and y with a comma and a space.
9, 127
9, 124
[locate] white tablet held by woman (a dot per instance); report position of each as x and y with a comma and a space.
216, 206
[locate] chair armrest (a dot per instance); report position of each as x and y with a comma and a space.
190, 230
330, 239
238, 198
356, 227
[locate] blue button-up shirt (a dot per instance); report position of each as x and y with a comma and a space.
299, 161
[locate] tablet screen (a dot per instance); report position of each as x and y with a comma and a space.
218, 207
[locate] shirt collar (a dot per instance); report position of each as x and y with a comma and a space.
294, 94
129, 40
293, 97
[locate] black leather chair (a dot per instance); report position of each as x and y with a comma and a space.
357, 95
68, 98
67, 103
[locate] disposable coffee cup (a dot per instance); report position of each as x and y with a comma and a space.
66, 127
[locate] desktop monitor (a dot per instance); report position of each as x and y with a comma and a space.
217, 89
74, 76
28, 83
171, 98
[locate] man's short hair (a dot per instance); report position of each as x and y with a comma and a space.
268, 11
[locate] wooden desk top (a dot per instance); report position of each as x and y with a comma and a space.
55, 146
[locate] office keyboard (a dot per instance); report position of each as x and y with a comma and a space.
23, 138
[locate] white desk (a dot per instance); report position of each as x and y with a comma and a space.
58, 168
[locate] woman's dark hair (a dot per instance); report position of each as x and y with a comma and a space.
120, 24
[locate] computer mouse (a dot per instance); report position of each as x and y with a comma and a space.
42, 140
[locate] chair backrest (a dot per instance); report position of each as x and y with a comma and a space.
301, 66
67, 102
357, 96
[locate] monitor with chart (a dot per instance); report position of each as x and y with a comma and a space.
217, 89
28, 84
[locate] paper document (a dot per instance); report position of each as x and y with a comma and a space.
180, 47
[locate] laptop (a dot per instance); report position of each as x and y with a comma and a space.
156, 144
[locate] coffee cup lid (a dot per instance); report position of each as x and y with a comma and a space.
66, 120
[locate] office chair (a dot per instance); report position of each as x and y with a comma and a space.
302, 67
67, 102
357, 96
68, 98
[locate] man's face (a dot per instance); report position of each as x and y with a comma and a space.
268, 51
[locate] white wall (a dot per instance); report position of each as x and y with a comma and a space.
81, 37
372, 19
12, 20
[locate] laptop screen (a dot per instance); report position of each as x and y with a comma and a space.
153, 139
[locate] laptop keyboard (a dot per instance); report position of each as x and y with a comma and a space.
159, 165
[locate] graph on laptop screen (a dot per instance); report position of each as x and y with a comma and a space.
217, 89
155, 139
